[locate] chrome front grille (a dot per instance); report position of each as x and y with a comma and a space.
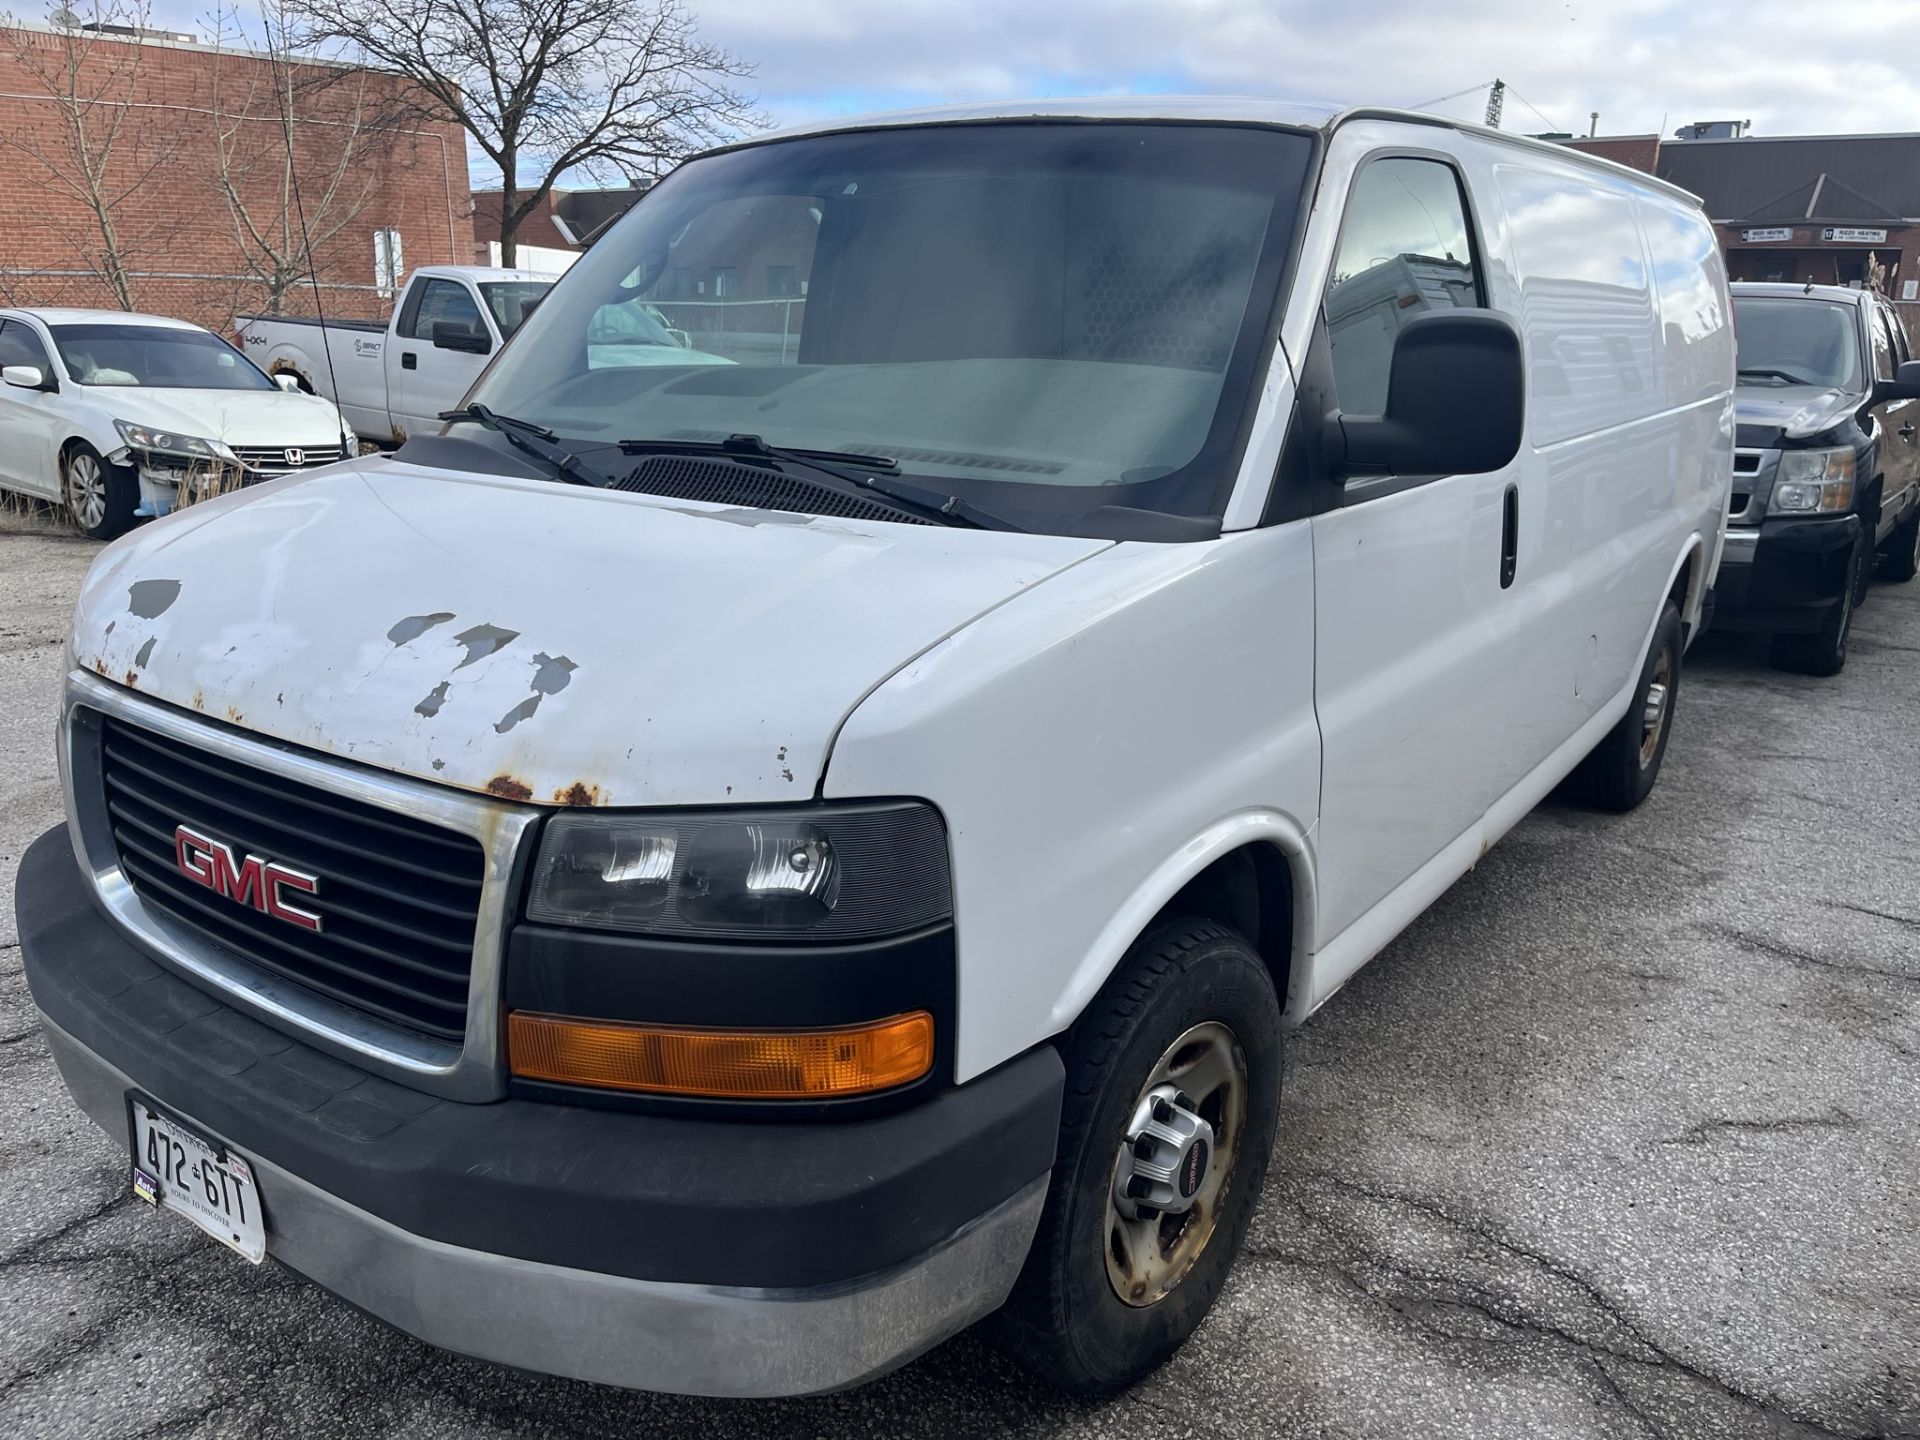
260, 461
416, 885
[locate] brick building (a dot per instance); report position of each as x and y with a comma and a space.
190, 141
567, 220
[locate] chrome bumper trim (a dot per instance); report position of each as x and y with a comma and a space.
653, 1335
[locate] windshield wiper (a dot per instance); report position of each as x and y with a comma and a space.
531, 439
846, 466
1786, 376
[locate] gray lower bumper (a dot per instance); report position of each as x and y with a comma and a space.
683, 1339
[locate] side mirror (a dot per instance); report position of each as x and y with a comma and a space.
1905, 384
287, 383
1456, 400
27, 377
449, 336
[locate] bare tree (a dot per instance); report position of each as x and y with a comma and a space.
607, 88
102, 148
288, 194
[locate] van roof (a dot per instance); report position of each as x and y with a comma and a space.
1228, 109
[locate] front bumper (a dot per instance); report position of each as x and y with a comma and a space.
712, 1257
1784, 576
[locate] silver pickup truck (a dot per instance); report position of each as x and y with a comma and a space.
393, 380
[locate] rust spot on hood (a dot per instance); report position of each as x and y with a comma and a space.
508, 788
578, 793
234, 715
133, 679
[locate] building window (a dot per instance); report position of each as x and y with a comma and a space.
783, 282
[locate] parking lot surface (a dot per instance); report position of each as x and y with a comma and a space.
1621, 1139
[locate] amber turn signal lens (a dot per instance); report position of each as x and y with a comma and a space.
736, 1064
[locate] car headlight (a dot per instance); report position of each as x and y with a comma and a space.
829, 872
1813, 482
166, 442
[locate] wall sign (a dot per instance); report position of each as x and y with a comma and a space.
1910, 289
1847, 236
1776, 232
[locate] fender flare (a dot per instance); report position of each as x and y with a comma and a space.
1150, 897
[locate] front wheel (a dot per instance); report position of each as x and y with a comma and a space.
1824, 652
1173, 1092
1620, 771
1900, 561
99, 497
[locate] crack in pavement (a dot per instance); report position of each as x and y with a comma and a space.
1513, 1314
1834, 1119
1906, 920
1762, 945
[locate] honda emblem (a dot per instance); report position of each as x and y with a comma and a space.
254, 882
296, 457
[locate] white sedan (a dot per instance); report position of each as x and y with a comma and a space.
113, 415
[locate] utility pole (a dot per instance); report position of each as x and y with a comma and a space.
1496, 101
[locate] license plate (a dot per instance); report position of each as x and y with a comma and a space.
175, 1167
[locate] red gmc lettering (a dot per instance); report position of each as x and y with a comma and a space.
253, 881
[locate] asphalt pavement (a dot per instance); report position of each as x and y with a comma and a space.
1621, 1139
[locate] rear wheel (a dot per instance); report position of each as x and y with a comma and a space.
1620, 771
1824, 652
1900, 561
1173, 1090
99, 497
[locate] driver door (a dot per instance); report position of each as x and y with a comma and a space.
1899, 419
424, 380
29, 419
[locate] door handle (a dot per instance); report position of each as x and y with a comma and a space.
1907, 431
1509, 536
409, 360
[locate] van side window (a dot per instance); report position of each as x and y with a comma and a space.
1902, 351
1405, 248
443, 302
1883, 361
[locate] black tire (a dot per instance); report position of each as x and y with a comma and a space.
1621, 770
1900, 561
1066, 1319
1824, 652
99, 498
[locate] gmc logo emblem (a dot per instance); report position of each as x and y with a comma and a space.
252, 882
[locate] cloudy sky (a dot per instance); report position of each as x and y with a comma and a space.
1791, 66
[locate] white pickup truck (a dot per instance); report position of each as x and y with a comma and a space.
393, 380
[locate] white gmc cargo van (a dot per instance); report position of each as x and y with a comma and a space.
714, 877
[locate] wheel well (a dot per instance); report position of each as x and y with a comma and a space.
1682, 591
1250, 889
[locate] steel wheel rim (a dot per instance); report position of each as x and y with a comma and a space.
1655, 706
1147, 1257
86, 491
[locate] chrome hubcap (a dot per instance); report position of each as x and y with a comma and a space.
1175, 1163
86, 491
1653, 710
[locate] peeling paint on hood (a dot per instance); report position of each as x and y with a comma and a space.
537, 641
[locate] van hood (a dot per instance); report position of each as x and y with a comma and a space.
234, 417
534, 640
1792, 412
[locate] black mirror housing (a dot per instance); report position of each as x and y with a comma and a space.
1456, 400
1905, 384
449, 336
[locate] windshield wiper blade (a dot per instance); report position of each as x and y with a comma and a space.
1787, 376
531, 439
845, 466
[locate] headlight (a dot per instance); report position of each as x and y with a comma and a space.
840, 872
165, 442
1813, 482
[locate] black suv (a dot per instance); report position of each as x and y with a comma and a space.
1826, 479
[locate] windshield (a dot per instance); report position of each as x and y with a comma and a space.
510, 300
1797, 342
1043, 318
154, 355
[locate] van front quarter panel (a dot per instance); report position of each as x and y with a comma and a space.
1092, 745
